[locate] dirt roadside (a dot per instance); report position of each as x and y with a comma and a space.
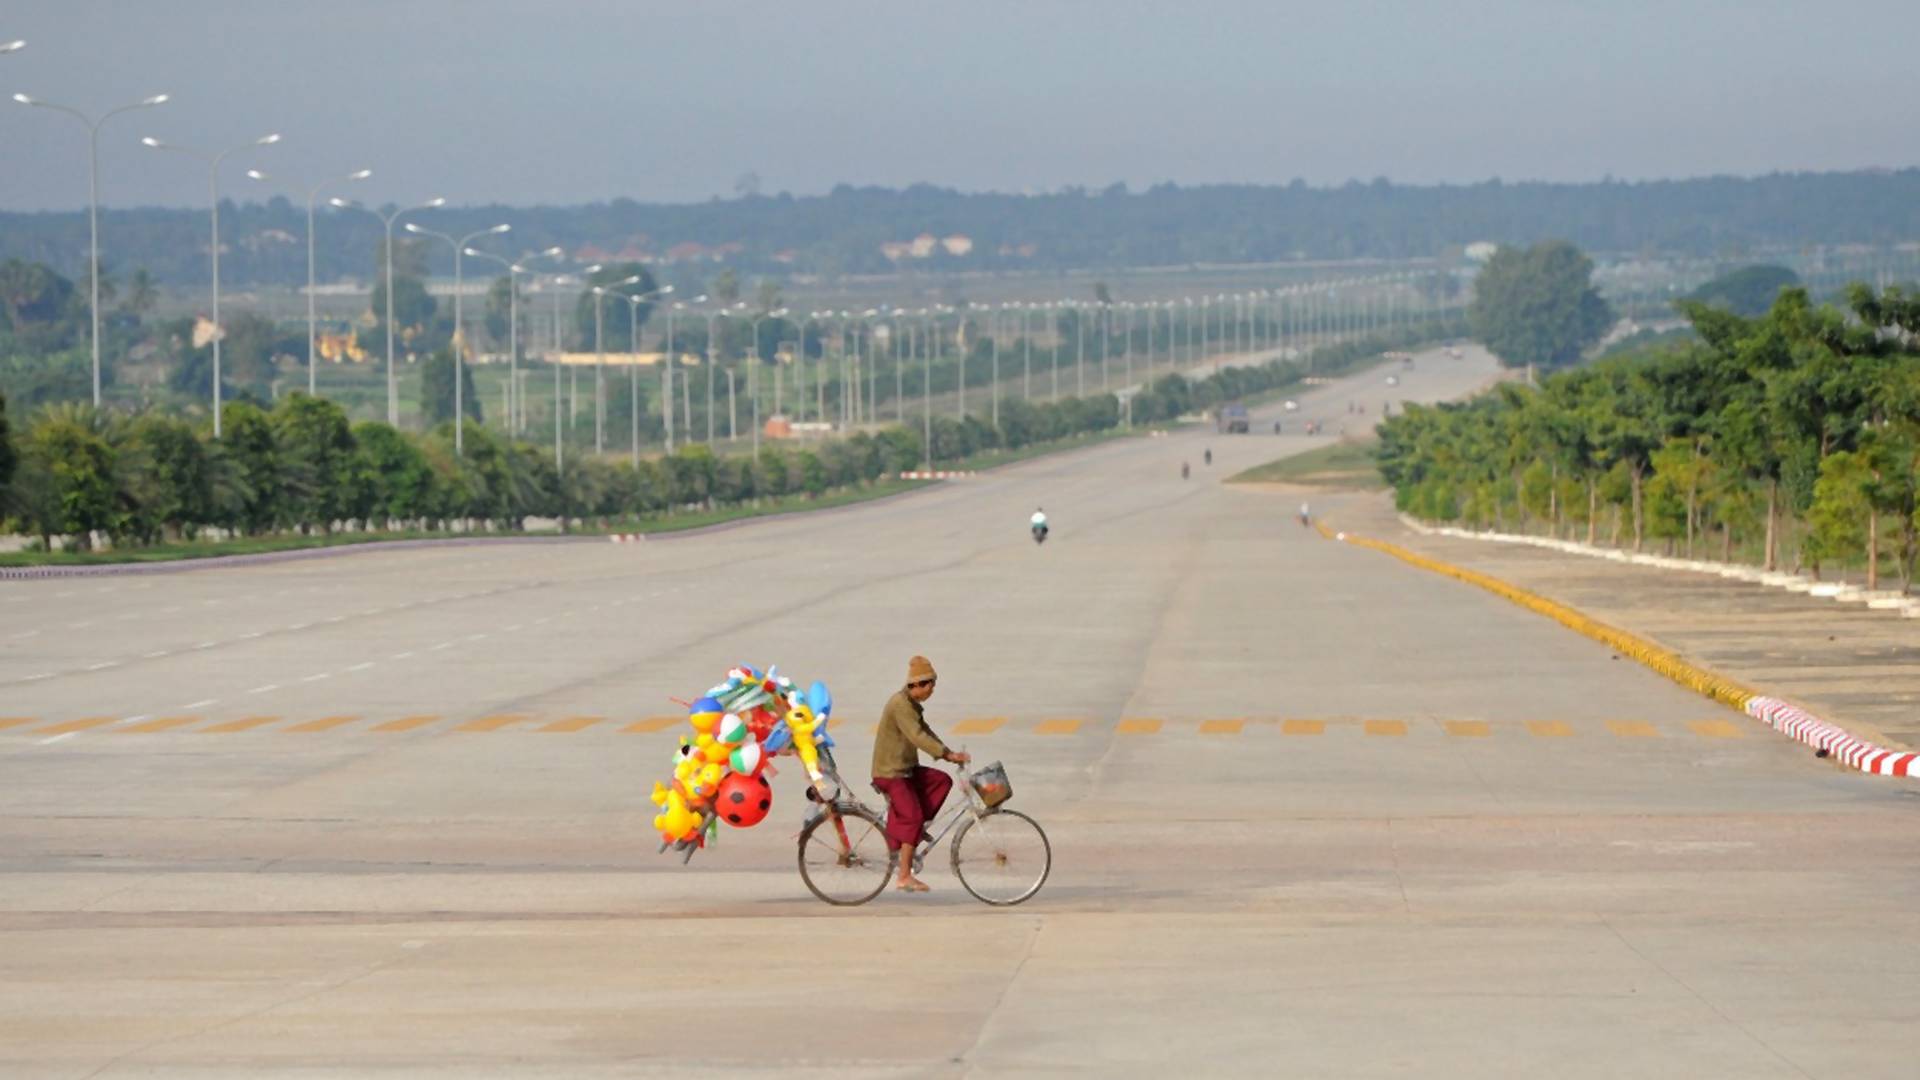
1858, 668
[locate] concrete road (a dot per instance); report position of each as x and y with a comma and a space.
1314, 812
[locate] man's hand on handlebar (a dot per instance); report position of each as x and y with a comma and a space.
959, 757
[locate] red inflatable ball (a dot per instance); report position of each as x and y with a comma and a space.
743, 800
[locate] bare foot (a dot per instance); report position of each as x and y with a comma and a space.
911, 885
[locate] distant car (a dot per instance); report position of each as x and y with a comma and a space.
1393, 380
1293, 406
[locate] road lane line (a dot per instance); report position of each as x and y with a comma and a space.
165, 723
361, 666
573, 723
71, 727
401, 655
201, 704
1550, 729
103, 665
1716, 729
24, 633
316, 677
299, 625
493, 723
1221, 727
325, 723
442, 645
265, 689
250, 637
1059, 726
17, 721
36, 676
979, 725
1389, 728
58, 738
206, 645
406, 723
1467, 729
651, 724
156, 654
1632, 729
1139, 726
1302, 727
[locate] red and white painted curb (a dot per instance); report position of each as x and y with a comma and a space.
627, 538
941, 474
1853, 752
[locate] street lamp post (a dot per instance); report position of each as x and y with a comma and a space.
516, 407
386, 222
459, 329
213, 189
93, 194
634, 300
753, 373
926, 391
313, 194
600, 360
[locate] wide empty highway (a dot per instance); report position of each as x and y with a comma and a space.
1314, 812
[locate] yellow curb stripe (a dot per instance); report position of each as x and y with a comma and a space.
1549, 729
979, 725
1699, 679
1056, 727
406, 723
1221, 727
1385, 727
574, 723
165, 723
244, 724
651, 724
1302, 727
1468, 729
1632, 729
325, 723
1140, 726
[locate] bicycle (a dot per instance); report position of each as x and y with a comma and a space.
1001, 857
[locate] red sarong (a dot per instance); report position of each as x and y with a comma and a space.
912, 801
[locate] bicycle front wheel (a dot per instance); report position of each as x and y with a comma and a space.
844, 858
1002, 857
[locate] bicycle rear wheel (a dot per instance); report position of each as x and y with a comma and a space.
844, 859
1001, 857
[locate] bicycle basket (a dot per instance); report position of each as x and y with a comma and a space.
991, 785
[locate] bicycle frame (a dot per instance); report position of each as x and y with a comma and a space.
970, 807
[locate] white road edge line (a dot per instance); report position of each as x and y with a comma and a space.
317, 678
361, 666
200, 704
264, 689
156, 654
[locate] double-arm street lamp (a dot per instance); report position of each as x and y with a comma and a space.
634, 300
93, 192
313, 193
459, 328
213, 190
516, 408
386, 222
600, 293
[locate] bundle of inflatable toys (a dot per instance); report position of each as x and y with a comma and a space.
720, 771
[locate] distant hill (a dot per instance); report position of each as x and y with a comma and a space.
875, 230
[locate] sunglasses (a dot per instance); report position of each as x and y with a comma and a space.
917, 684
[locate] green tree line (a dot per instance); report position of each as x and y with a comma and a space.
1797, 431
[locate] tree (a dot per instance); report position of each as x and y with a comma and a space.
316, 444
436, 388
1748, 291
1538, 307
71, 467
143, 294
9, 459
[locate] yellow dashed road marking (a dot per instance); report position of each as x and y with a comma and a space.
1302, 727
1468, 729
574, 723
1632, 729
165, 723
1056, 727
493, 723
1140, 726
17, 721
325, 723
406, 723
75, 725
1717, 729
979, 725
1221, 727
1549, 729
1386, 727
246, 724
652, 723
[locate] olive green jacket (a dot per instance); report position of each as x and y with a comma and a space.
903, 735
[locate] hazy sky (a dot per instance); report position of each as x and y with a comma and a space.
519, 101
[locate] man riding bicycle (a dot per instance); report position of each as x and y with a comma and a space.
913, 791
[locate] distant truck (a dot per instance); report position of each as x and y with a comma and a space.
1232, 419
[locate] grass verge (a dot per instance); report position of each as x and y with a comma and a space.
1344, 464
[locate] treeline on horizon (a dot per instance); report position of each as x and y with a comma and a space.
842, 232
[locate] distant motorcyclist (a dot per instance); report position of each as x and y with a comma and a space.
1209, 456
1306, 516
1038, 525
1184, 470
